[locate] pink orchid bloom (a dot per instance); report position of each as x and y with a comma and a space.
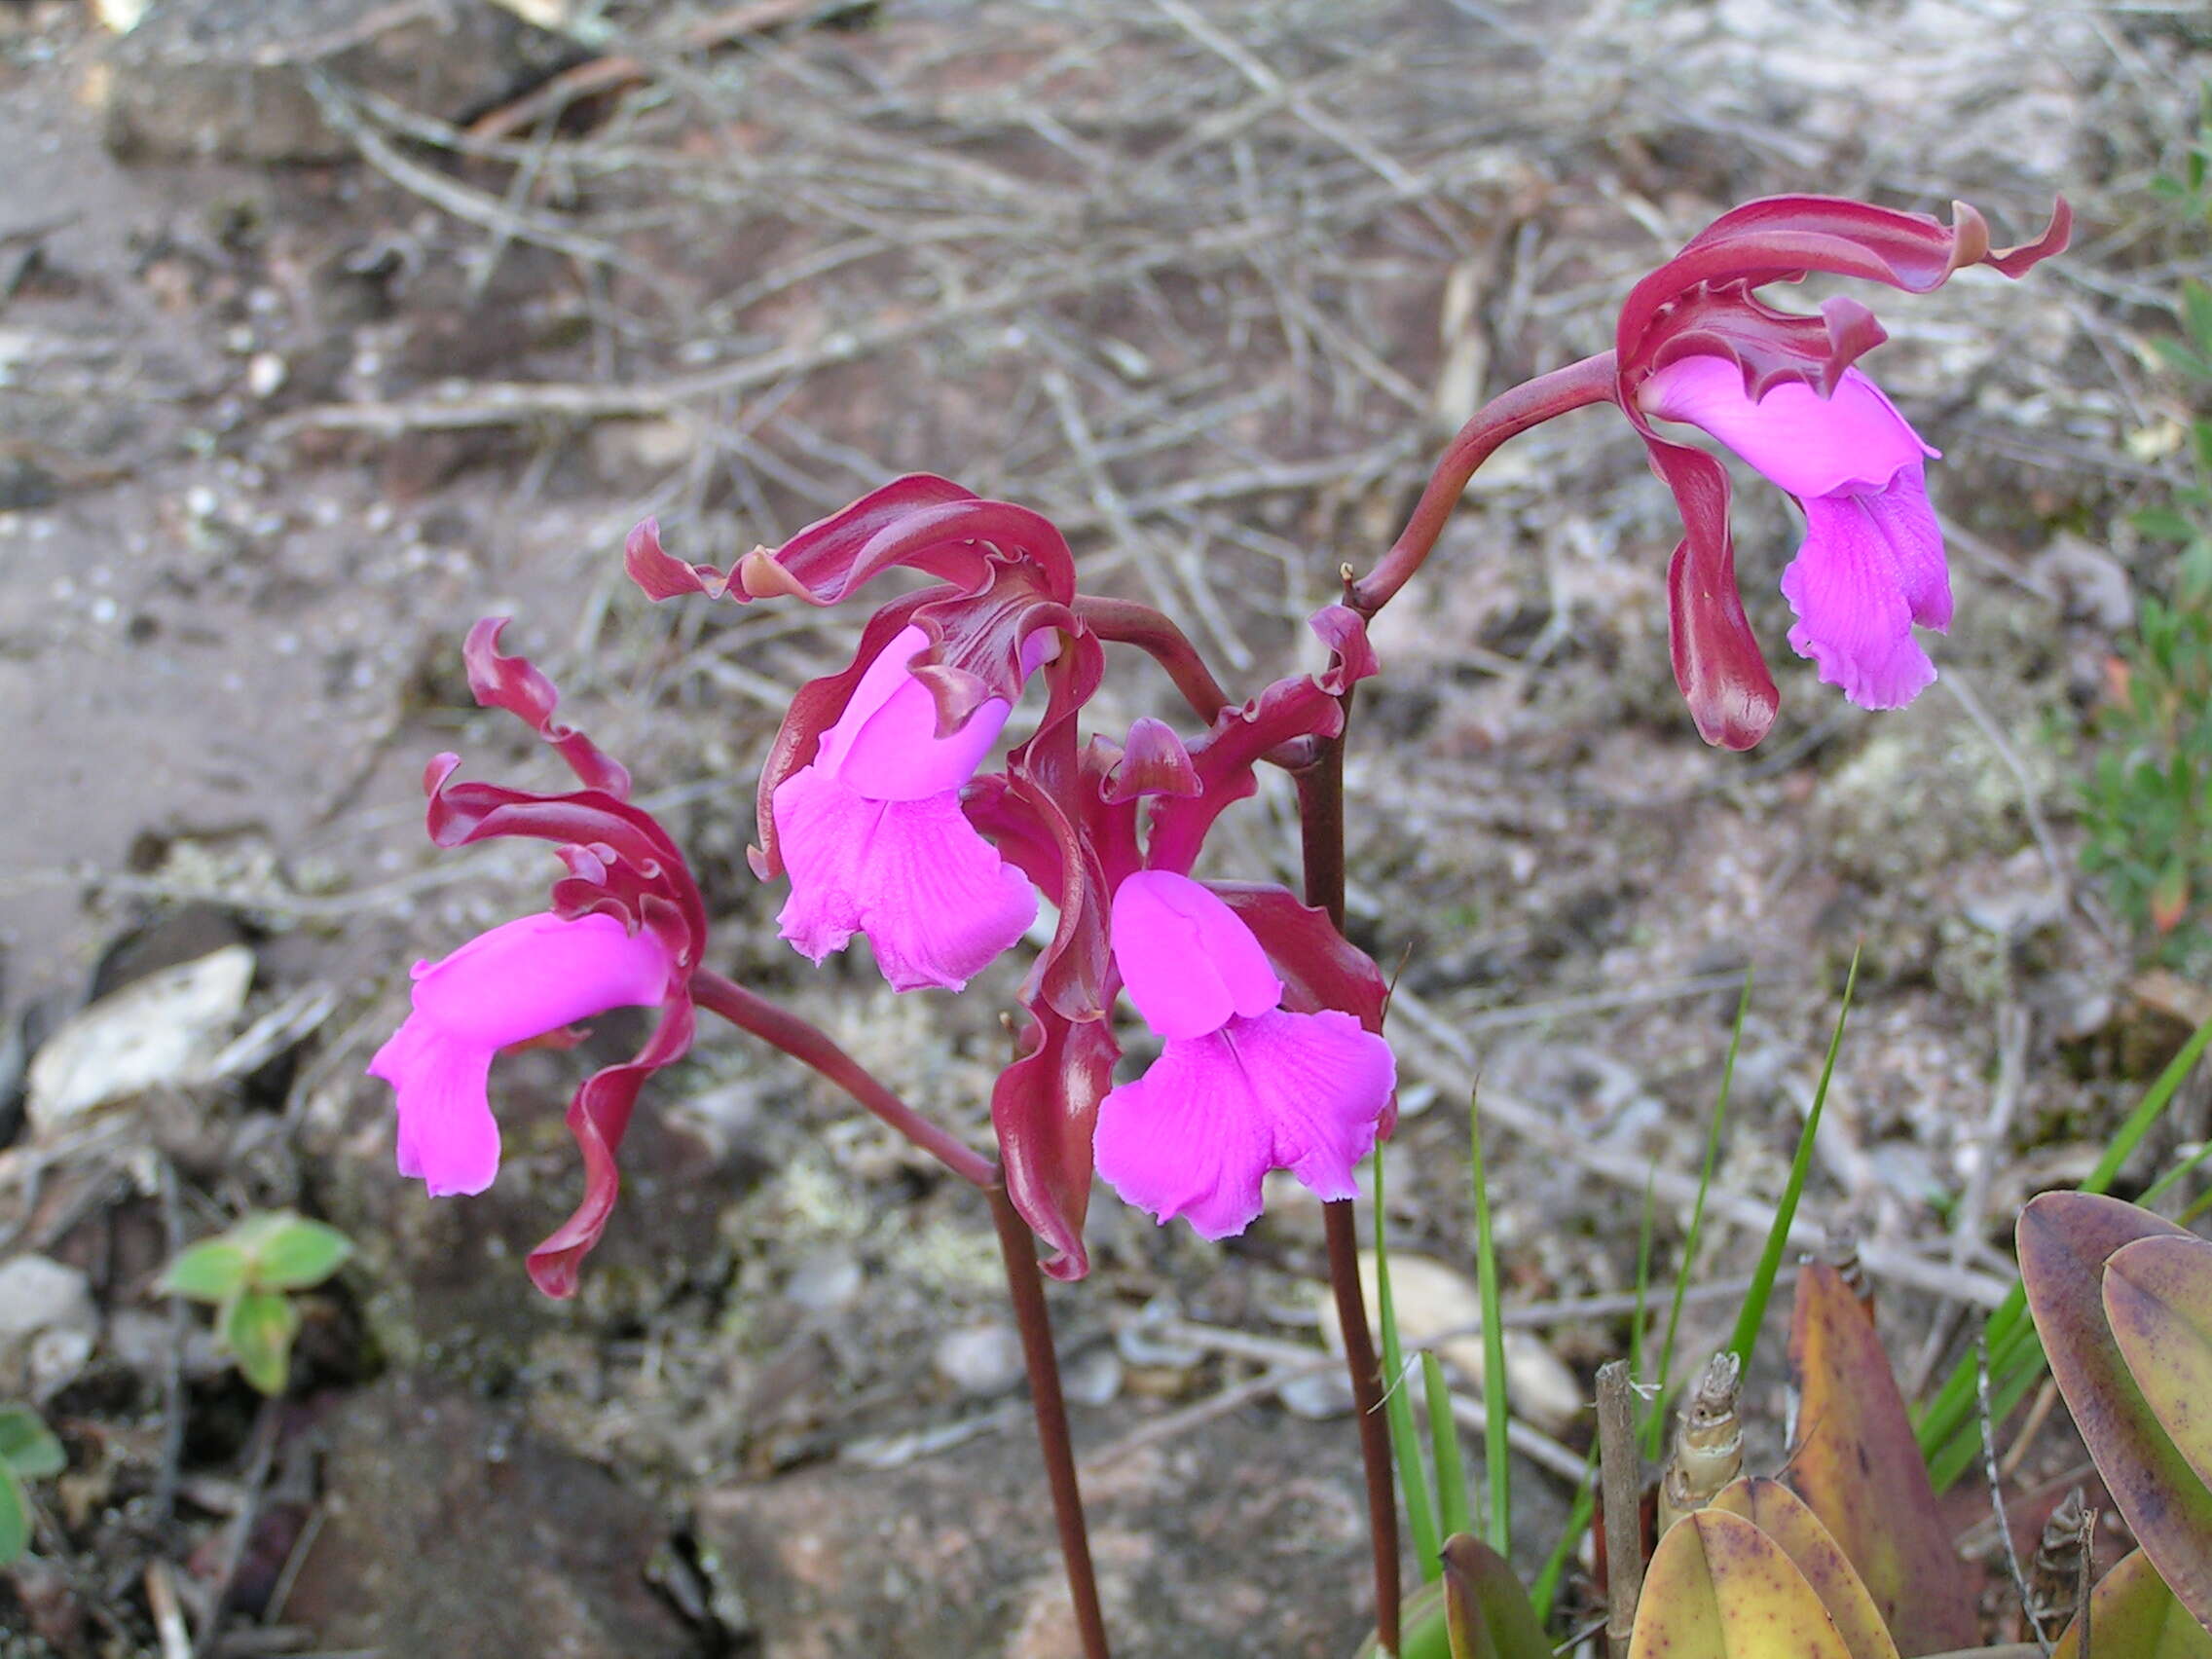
519, 981
1871, 564
1242, 1085
872, 833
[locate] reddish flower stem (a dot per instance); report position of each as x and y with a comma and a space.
808, 1045
1128, 623
1506, 416
1321, 835
1025, 1288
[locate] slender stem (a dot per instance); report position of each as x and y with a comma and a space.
1321, 834
1025, 1287
1128, 623
1620, 1480
1506, 416
808, 1045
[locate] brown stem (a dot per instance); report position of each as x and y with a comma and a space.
1128, 623
808, 1045
1506, 416
1025, 1287
1321, 834
1621, 1480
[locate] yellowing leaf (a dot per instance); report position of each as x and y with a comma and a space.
1718, 1588
1856, 1465
1783, 1515
2133, 1616
258, 1329
2066, 1239
2157, 1296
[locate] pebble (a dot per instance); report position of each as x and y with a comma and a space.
981, 1361
47, 1323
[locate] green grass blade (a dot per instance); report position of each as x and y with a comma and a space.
1398, 1408
2009, 1385
1753, 1315
1655, 1426
1497, 1467
1453, 1515
1544, 1591
1949, 1417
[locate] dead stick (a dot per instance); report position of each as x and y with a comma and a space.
1621, 1480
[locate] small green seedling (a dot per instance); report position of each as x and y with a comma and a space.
247, 1275
28, 1451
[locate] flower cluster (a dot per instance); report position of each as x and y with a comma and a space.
887, 805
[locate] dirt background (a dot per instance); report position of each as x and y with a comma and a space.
317, 344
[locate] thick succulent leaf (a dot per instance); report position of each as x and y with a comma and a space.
27, 1446
2157, 1296
1854, 1462
1718, 1588
2065, 1241
1783, 1515
2133, 1613
1488, 1613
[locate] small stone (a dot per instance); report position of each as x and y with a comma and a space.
164, 1030
823, 1282
1093, 1379
48, 1321
1319, 1395
983, 1361
264, 374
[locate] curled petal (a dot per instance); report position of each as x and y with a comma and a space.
1044, 1111
514, 683
1190, 964
1871, 565
935, 898
1716, 657
1196, 1134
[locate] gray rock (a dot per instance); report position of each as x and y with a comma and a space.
222, 78
981, 1361
952, 1556
451, 1530
47, 1323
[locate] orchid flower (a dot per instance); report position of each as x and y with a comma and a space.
874, 840
626, 930
1871, 564
1240, 1086
519, 981
1694, 343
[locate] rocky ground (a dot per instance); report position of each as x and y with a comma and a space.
326, 329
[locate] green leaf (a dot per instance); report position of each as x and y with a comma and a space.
258, 1329
1398, 1408
1754, 1313
1498, 1465
1453, 1512
211, 1272
1487, 1612
297, 1254
2197, 311
2066, 1240
2162, 522
14, 1517
27, 1446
